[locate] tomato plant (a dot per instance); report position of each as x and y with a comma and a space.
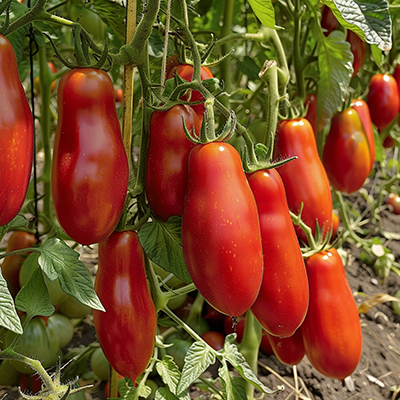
16, 136
296, 138
221, 238
130, 317
90, 167
282, 303
331, 330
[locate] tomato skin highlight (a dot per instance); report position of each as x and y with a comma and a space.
282, 302
90, 168
347, 157
394, 201
383, 99
126, 331
167, 161
331, 331
16, 136
221, 237
296, 138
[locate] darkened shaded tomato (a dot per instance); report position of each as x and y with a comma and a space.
335, 225
394, 201
396, 75
31, 383
221, 237
185, 71
90, 168
11, 265
265, 346
357, 47
288, 350
238, 328
383, 99
347, 157
282, 303
215, 339
214, 318
363, 112
167, 161
311, 102
126, 331
388, 142
328, 20
16, 136
118, 95
331, 331
9, 376
305, 178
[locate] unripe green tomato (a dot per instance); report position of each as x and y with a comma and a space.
62, 327
9, 376
73, 308
29, 266
177, 302
37, 341
99, 364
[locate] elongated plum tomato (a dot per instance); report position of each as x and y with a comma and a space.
357, 47
282, 303
90, 168
383, 99
167, 161
305, 178
331, 331
347, 157
221, 237
363, 112
328, 20
16, 136
126, 331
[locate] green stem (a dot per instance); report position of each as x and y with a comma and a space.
21, 251
297, 60
234, 37
249, 347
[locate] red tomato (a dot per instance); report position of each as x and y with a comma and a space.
311, 101
265, 346
229, 327
394, 202
363, 112
126, 331
167, 161
335, 225
31, 384
282, 303
305, 179
172, 62
11, 265
347, 156
214, 318
185, 71
328, 20
388, 142
331, 331
118, 95
16, 136
215, 339
357, 47
383, 99
221, 237
396, 75
288, 350
90, 167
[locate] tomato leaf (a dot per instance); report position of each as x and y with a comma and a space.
162, 242
369, 19
33, 298
114, 13
169, 372
57, 260
18, 223
165, 394
198, 358
264, 11
237, 360
233, 392
8, 314
335, 66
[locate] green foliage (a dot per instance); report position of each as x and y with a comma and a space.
8, 314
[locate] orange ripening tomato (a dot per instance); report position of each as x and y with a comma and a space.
331, 331
282, 303
126, 330
221, 237
16, 136
347, 155
11, 265
90, 171
305, 178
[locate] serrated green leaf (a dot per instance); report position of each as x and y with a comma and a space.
377, 54
57, 260
165, 394
114, 13
127, 389
33, 298
233, 392
198, 358
237, 360
370, 19
264, 11
249, 68
8, 314
335, 61
18, 223
169, 372
162, 243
